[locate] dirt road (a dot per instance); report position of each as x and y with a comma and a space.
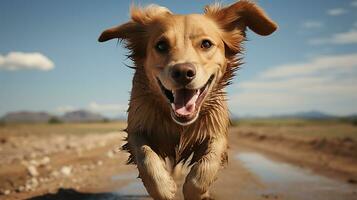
90, 167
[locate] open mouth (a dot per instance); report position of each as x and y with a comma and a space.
185, 103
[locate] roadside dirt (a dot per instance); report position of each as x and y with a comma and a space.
335, 157
36, 165
83, 166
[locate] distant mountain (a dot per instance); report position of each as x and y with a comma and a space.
308, 115
26, 116
119, 118
299, 115
37, 117
87, 116
81, 116
354, 117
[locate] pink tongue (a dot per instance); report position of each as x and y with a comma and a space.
185, 101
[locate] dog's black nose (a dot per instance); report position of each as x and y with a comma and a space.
183, 73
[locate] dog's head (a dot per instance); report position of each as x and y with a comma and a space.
185, 56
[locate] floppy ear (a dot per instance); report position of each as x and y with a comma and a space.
241, 15
140, 18
134, 36
121, 32
134, 32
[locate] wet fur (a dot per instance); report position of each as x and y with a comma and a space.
152, 134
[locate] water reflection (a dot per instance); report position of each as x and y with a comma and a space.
293, 182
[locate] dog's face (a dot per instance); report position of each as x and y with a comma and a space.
185, 56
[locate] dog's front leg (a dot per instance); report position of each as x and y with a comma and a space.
157, 180
203, 173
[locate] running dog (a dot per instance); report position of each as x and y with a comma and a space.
178, 109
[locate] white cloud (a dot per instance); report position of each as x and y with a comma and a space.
348, 37
329, 84
354, 3
106, 109
312, 24
95, 107
341, 63
20, 60
64, 109
336, 11
282, 84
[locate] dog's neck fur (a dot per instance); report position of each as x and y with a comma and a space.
148, 117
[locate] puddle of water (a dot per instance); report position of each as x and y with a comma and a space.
126, 176
134, 188
293, 182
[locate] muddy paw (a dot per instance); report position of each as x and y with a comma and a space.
166, 187
160, 187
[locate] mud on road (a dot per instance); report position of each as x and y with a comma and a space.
89, 166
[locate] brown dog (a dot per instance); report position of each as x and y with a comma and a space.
178, 109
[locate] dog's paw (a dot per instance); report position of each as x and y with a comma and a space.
207, 196
192, 190
166, 187
161, 186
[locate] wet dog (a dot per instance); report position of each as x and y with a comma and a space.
178, 109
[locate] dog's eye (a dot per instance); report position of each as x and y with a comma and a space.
162, 46
206, 44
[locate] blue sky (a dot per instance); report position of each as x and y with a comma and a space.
50, 59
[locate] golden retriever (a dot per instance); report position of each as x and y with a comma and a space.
178, 107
